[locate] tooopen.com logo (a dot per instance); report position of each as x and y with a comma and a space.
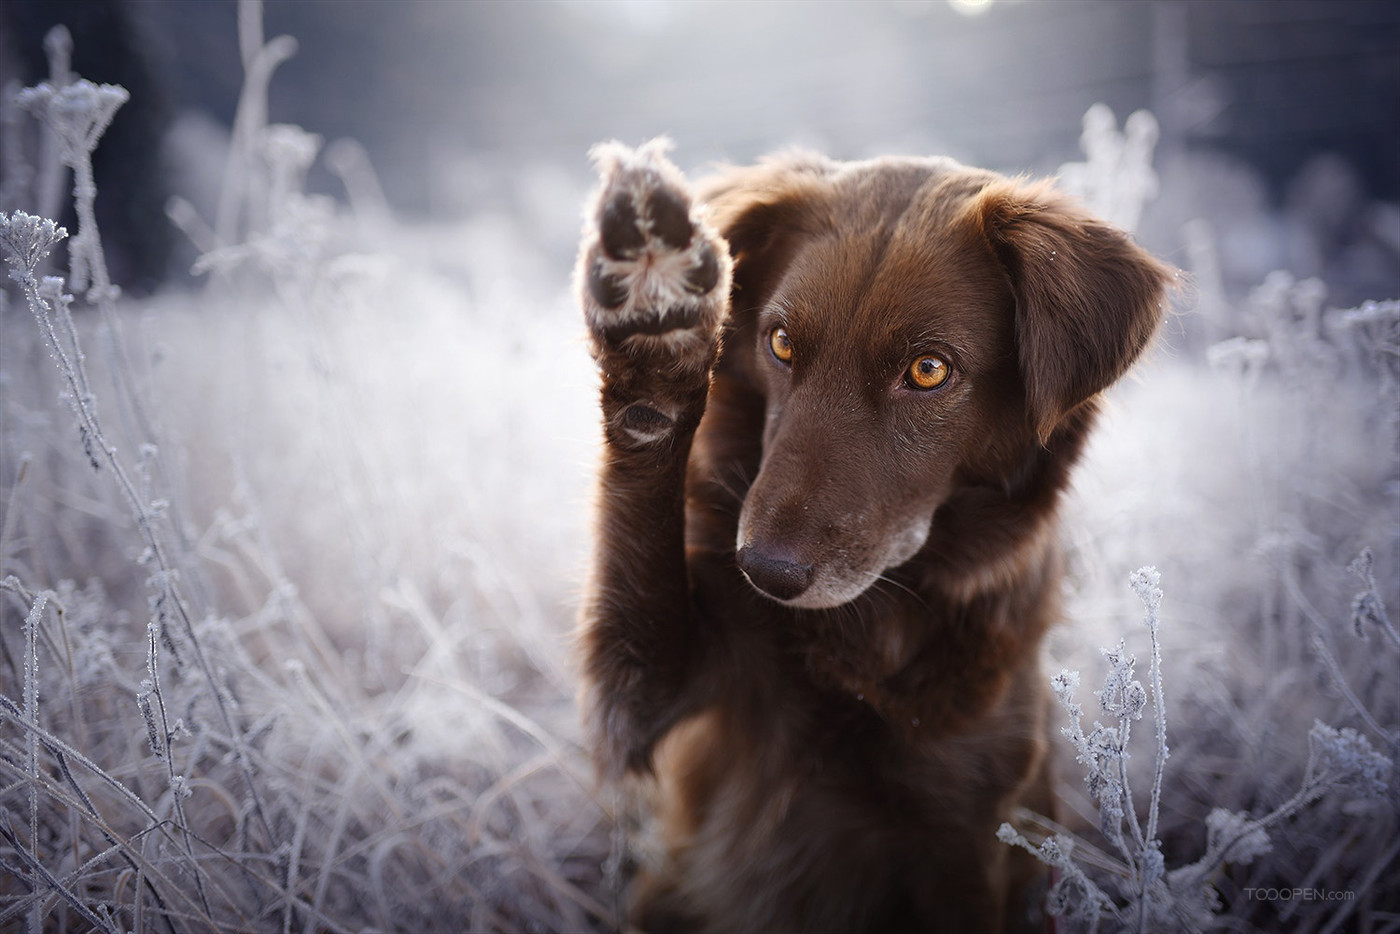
1300, 895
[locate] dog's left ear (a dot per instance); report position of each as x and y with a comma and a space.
1088, 299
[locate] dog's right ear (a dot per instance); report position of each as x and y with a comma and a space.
763, 211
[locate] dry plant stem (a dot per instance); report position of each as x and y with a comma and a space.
1145, 582
259, 62
1129, 812
88, 266
115, 848
88, 261
184, 216
346, 732
58, 44
138, 862
94, 438
58, 746
1362, 567
332, 847
1159, 705
1324, 651
31, 712
61, 752
7, 526
54, 104
168, 592
1380, 865
37, 867
556, 749
1087, 853
15, 173
123, 849
1312, 788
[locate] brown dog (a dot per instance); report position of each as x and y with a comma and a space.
840, 404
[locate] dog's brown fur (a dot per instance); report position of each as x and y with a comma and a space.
837, 752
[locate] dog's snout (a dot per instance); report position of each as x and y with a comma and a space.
774, 572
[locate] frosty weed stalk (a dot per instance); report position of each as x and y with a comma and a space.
27, 241
1138, 893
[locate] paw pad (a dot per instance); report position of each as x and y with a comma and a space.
651, 267
705, 275
608, 289
644, 424
619, 228
670, 218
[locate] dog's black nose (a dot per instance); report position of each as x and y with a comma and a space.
773, 573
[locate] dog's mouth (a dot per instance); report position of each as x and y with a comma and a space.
831, 574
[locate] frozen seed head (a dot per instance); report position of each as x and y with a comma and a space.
1146, 583
1240, 356
1065, 684
1154, 865
1235, 836
51, 290
1134, 699
1362, 566
1008, 835
1055, 850
1346, 757
1374, 313
1122, 696
290, 148
1366, 611
1367, 607
27, 240
78, 114
1059, 898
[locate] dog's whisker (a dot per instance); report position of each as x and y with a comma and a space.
734, 488
886, 580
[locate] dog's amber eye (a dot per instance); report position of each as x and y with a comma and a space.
927, 372
780, 344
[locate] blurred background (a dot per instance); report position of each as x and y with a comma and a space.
1280, 119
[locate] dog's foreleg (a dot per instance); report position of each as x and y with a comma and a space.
653, 279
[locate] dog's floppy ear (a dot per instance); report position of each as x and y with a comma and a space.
1088, 299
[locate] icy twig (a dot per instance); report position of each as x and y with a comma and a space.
58, 47
31, 712
1367, 607
40, 872
1073, 894
1116, 178
78, 114
1324, 652
1336, 758
259, 62
27, 239
1146, 582
1149, 895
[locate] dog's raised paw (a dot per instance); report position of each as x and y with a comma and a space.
653, 275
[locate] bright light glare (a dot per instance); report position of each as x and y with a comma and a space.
970, 7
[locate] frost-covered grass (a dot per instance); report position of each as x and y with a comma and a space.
289, 564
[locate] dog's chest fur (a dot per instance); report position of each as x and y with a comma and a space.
820, 783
